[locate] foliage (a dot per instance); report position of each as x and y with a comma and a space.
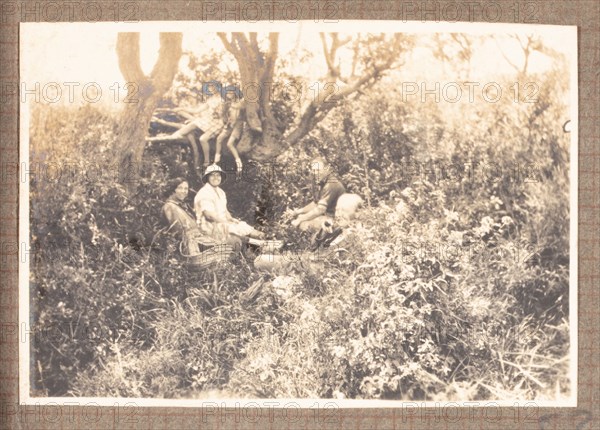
452, 284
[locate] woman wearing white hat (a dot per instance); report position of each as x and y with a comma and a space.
213, 217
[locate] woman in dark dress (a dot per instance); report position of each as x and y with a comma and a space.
182, 221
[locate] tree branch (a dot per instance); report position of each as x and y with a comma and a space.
128, 53
229, 45
167, 138
271, 57
328, 60
513, 65
331, 51
168, 58
267, 74
166, 123
318, 108
254, 45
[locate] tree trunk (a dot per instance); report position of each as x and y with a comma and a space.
262, 136
266, 140
144, 93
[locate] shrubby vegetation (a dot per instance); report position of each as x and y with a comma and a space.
452, 283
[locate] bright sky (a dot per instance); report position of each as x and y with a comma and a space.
85, 52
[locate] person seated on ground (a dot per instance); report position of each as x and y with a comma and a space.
327, 190
233, 120
205, 118
215, 220
180, 217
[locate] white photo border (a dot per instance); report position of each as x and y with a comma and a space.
569, 32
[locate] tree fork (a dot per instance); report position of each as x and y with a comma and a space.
136, 117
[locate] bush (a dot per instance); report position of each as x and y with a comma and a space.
452, 284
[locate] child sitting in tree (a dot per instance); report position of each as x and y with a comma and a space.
233, 119
204, 118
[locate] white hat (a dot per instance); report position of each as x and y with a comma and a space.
212, 169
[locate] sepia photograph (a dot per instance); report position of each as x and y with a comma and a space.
367, 212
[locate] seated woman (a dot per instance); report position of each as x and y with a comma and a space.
181, 220
214, 220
